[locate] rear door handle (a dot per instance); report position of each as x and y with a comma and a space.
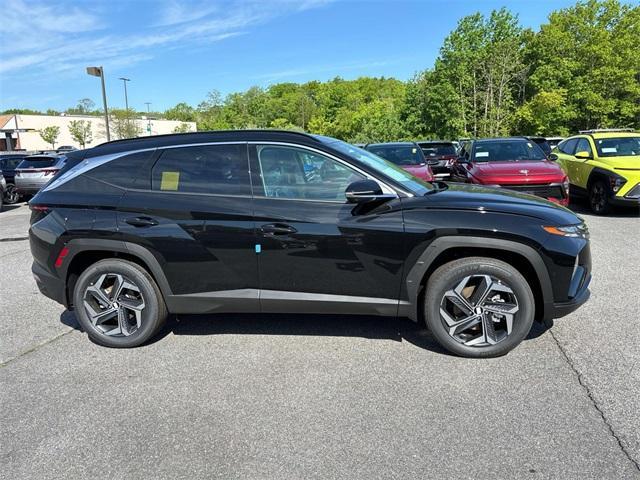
142, 221
277, 229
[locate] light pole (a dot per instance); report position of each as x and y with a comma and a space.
126, 99
148, 118
99, 72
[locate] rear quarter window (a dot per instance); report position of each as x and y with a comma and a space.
129, 171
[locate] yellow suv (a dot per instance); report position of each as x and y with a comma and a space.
603, 165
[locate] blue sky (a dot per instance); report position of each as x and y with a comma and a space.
176, 51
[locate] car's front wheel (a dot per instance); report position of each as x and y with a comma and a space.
118, 303
478, 307
599, 197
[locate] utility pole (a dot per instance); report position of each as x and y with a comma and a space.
148, 118
99, 72
126, 99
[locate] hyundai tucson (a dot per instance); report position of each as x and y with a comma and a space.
267, 221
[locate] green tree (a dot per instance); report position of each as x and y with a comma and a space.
50, 135
585, 69
181, 112
122, 125
80, 131
182, 128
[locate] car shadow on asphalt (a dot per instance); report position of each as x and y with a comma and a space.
360, 326
581, 207
8, 208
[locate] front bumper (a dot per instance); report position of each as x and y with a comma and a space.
559, 310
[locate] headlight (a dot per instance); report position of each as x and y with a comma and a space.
574, 231
616, 183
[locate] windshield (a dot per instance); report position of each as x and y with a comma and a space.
543, 144
402, 155
388, 169
438, 149
507, 151
618, 147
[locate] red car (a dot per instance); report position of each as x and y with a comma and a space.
515, 163
407, 155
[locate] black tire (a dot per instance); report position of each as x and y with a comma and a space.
10, 195
452, 274
599, 193
153, 316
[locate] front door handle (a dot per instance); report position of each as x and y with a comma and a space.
142, 221
277, 229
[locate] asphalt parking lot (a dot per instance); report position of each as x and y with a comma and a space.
273, 397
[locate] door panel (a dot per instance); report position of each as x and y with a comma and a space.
204, 241
327, 256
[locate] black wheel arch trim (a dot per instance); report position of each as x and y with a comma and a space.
439, 245
598, 172
81, 245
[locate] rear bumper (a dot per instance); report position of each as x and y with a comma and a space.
49, 285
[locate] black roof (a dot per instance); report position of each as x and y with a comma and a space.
392, 144
434, 141
498, 139
154, 141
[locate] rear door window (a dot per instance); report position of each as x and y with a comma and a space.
208, 169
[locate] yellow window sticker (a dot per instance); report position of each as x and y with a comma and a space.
414, 150
170, 181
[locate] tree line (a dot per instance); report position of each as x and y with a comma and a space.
492, 77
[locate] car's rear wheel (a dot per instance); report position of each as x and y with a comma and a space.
599, 197
11, 195
118, 303
478, 307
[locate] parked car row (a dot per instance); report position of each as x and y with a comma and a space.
25, 174
602, 165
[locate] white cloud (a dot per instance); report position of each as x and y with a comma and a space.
55, 37
174, 12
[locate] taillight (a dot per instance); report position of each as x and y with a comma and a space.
61, 256
48, 172
38, 208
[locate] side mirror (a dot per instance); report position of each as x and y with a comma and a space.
582, 155
363, 191
553, 157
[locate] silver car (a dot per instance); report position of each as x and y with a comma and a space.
34, 172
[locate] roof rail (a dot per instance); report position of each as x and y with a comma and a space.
602, 130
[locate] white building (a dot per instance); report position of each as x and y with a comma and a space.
22, 132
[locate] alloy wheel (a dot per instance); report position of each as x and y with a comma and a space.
598, 197
479, 311
11, 196
114, 305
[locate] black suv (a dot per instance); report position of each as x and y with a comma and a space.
269, 221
